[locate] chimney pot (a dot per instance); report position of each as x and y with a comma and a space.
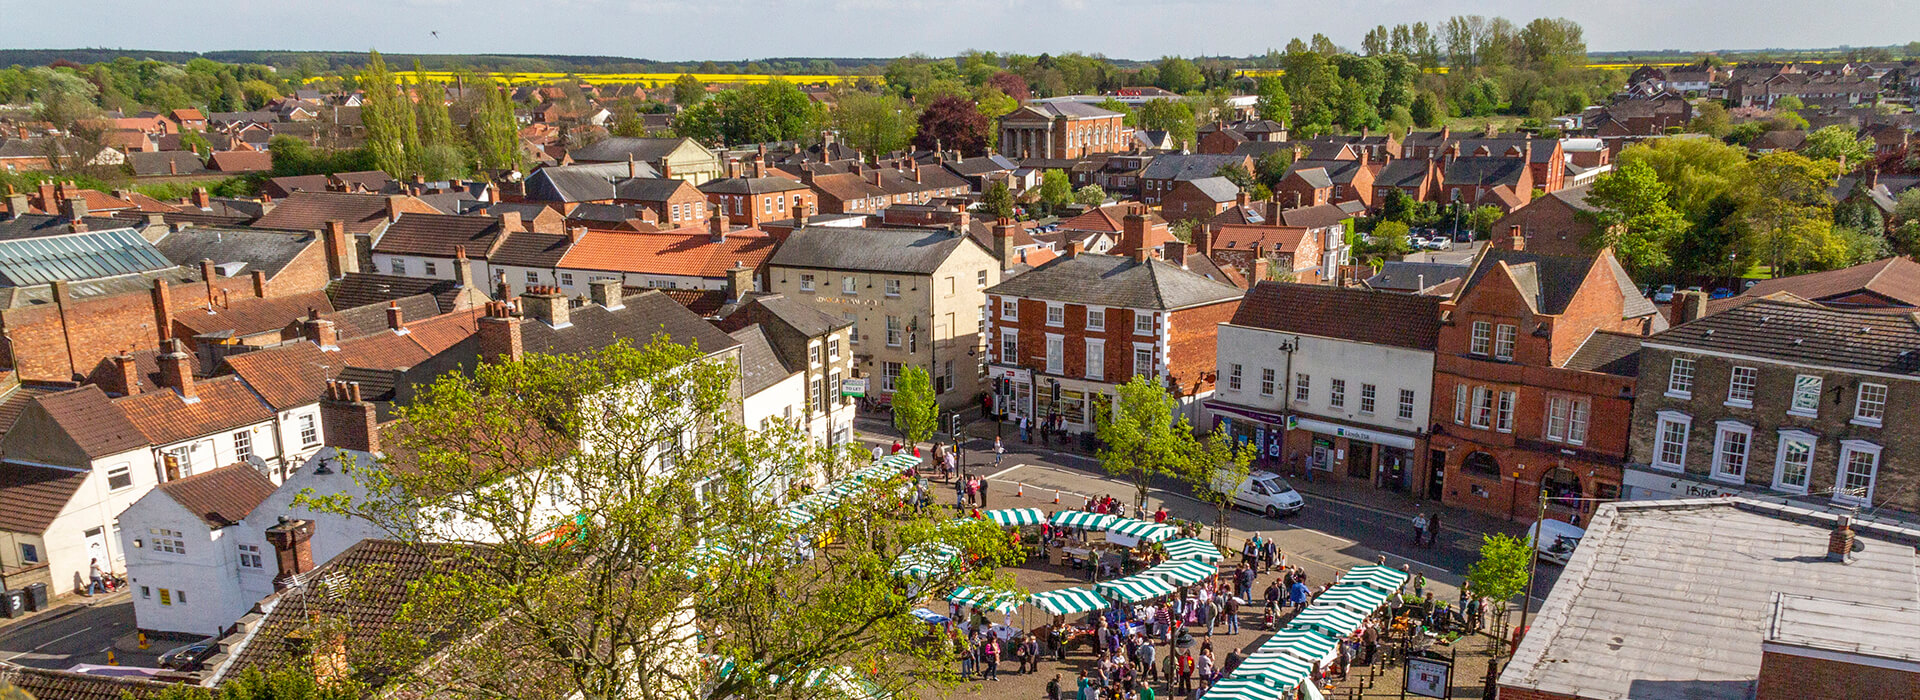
321, 331
717, 227
547, 305
176, 370
396, 318
292, 542
500, 334
1840, 541
76, 208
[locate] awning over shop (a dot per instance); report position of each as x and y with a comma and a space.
1334, 620
986, 598
1183, 572
1190, 548
1012, 517
1068, 601
1082, 519
1359, 597
1143, 530
1135, 588
1374, 435
1385, 578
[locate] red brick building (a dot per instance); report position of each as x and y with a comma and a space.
1062, 130
750, 198
1201, 200
1556, 224
1533, 382
1069, 331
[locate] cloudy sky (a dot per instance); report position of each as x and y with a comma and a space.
676, 30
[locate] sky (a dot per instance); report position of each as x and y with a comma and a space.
681, 30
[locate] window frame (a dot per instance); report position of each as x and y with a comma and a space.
1860, 403
1269, 381
1808, 387
1138, 357
1481, 417
1663, 419
806, 283
891, 289
1461, 405
1504, 337
1233, 376
1096, 359
1302, 387
896, 332
1788, 437
1096, 318
1680, 378
1143, 323
1482, 341
1009, 309
1056, 314
850, 285
1009, 346
1848, 449
1503, 411
1369, 396
1407, 406
122, 471
309, 426
1056, 358
1722, 431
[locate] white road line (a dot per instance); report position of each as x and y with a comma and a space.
996, 475
1415, 561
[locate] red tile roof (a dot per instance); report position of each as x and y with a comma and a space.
240, 161
223, 496
687, 251
92, 421
1896, 279
296, 374
247, 316
222, 404
1285, 239
31, 496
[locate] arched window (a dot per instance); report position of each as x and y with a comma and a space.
1561, 482
1482, 464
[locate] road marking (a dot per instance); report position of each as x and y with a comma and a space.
996, 475
1415, 561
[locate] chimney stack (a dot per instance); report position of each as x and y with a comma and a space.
1203, 239
17, 205
176, 370
717, 227
547, 305
733, 168
606, 293
348, 422
1514, 239
1174, 252
633, 169
739, 282
162, 309
259, 284
125, 379
510, 222
394, 205
1840, 542
292, 542
1075, 247
396, 318
799, 215
1241, 199
462, 267
341, 258
1262, 269
1133, 236
1003, 229
321, 331
575, 233
499, 334
76, 208
202, 199
1689, 306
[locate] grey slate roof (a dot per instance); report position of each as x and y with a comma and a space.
1112, 280
581, 183
1671, 600
804, 319
752, 185
1073, 110
1401, 275
266, 251
1401, 172
643, 316
760, 366
1608, 353
1219, 189
916, 251
619, 148
77, 256
1317, 216
1484, 171
1314, 177
646, 189
1187, 167
1861, 339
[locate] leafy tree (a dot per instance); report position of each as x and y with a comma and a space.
286, 682
998, 200
1216, 471
388, 118
674, 542
1399, 206
916, 412
1145, 435
688, 91
1127, 116
1091, 196
1634, 217
1180, 75
430, 106
1789, 103
1055, 189
1790, 212
1716, 240
1501, 573
953, 123
1011, 85
1553, 44
493, 130
1270, 168
992, 104
628, 123
1235, 174
1907, 206
875, 124
1427, 110
196, 141
1839, 144
1390, 238
1480, 219
1695, 171
1273, 102
772, 111
1171, 116
1710, 118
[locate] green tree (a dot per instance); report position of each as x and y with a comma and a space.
1172, 116
772, 111
1220, 465
1839, 144
430, 105
1273, 102
1055, 189
1427, 110
1502, 573
875, 124
1235, 174
196, 141
1695, 171
1127, 116
1790, 212
998, 200
1270, 168
388, 118
1635, 217
688, 91
628, 123
916, 411
493, 130
1180, 75
1710, 118
1144, 435
1390, 238
1480, 219
278, 683
1091, 196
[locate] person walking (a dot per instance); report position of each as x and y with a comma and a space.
990, 657
1231, 610
1433, 530
1184, 662
1026, 430
1145, 656
999, 450
1419, 528
96, 580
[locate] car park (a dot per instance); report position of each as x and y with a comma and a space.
1664, 295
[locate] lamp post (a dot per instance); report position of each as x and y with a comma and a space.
1287, 346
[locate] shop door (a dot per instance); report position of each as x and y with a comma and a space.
1436, 473
1393, 468
1359, 459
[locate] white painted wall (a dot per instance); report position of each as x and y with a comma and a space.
66, 547
1388, 368
785, 400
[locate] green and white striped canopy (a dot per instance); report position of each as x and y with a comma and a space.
1336, 621
898, 462
1278, 670
1010, 517
1183, 572
1068, 601
926, 559
1385, 578
1190, 548
1236, 687
1143, 530
1082, 519
1135, 588
1308, 645
988, 598
1358, 597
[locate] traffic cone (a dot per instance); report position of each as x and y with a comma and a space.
1021, 492
143, 641
110, 660
1056, 498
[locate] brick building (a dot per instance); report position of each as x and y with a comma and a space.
1062, 130
1556, 224
750, 198
1069, 331
1533, 382
1201, 200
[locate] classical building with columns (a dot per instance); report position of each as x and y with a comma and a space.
1062, 130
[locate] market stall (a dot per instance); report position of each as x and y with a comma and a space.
1016, 517
1385, 578
1128, 532
1191, 548
1183, 572
1134, 589
1360, 598
1068, 601
1333, 620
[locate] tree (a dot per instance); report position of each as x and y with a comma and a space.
1273, 102
194, 140
875, 124
1235, 174
1790, 213
1216, 471
998, 200
775, 110
599, 517
1839, 144
991, 105
1710, 118
1171, 116
1502, 573
953, 123
1634, 217
493, 130
389, 120
1480, 219
1695, 171
1127, 117
916, 412
688, 91
1271, 167
1055, 189
1180, 75
1144, 435
1011, 85
1427, 110
1390, 238
1090, 196
430, 107
288, 682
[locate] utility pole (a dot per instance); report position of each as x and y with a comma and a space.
1533, 559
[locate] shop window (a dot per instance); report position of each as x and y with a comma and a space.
1481, 464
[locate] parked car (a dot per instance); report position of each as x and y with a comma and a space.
1463, 237
186, 654
1664, 295
1554, 540
1443, 243
1264, 492
1721, 293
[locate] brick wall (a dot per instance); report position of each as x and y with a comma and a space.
1191, 350
1032, 328
1791, 677
1550, 225
1188, 202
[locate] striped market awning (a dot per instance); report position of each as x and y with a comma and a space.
1282, 671
1143, 530
926, 559
1082, 519
1385, 578
1190, 548
1068, 601
1183, 572
1334, 620
986, 598
1135, 588
1236, 687
1358, 597
899, 462
1011, 517
1308, 645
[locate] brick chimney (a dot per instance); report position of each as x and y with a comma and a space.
799, 215
462, 267
292, 542
1174, 252
1203, 239
341, 258
547, 305
1242, 199
210, 274
162, 309
1003, 229
1262, 269
17, 204
666, 169
75, 208
49, 199
259, 284
733, 168
396, 318
499, 334
176, 370
717, 227
1133, 236
575, 233
739, 282
1840, 541
394, 205
1511, 239
633, 168
606, 293
510, 222
349, 422
1688, 306
202, 199
125, 379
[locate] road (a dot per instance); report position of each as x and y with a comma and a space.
79, 637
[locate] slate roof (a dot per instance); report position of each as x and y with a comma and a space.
581, 183
804, 319
1671, 600
1886, 341
1070, 109
1188, 166
31, 496
1314, 177
250, 315
687, 251
1575, 197
372, 318
77, 256
1112, 280
1219, 189
310, 211
531, 249
982, 165
1317, 216
643, 317
367, 288
1359, 315
221, 497
751, 185
1608, 352
913, 251
193, 216
619, 148
760, 366
1551, 280
1896, 279
266, 251
1485, 171
648, 189
165, 163
1401, 275
90, 418
605, 213
439, 235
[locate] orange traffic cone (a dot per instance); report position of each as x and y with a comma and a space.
1021, 491
143, 641
1056, 498
111, 661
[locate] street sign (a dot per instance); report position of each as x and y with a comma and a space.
853, 387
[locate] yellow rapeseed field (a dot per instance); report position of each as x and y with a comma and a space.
655, 78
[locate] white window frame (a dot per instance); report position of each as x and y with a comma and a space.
850, 286
1369, 395
806, 283
980, 280
1794, 437
1460, 404
1482, 338
1869, 412
250, 557
889, 372
1504, 336
1742, 383
1721, 454
892, 288
1096, 318
1406, 409
1337, 393
1150, 370
1482, 415
566, 279
1142, 323
1849, 448
1096, 361
1302, 387
1009, 346
309, 430
895, 331
1680, 378
1233, 377
1269, 380
1056, 314
1808, 387
1056, 354
1503, 412
1009, 309
1660, 442
242, 444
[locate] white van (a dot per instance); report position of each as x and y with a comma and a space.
1264, 492
1557, 544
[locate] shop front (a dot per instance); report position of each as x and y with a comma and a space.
1385, 459
1011, 391
1266, 431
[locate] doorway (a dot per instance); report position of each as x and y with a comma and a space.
1359, 459
1436, 473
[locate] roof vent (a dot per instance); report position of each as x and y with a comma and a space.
1799, 341
1865, 330
1709, 331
